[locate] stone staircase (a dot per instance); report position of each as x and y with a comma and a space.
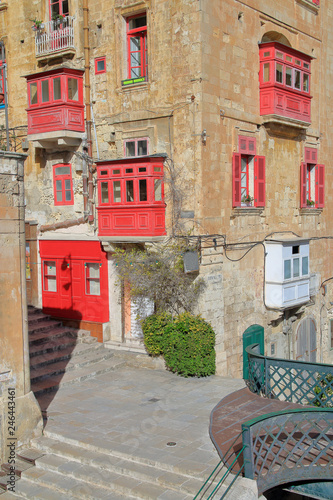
68, 469
60, 355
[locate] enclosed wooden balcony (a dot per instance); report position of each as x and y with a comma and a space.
55, 108
131, 198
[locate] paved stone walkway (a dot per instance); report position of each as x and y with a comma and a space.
139, 412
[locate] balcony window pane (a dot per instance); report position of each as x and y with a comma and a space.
279, 55
305, 82
287, 269
129, 191
56, 89
143, 189
104, 192
33, 93
142, 148
305, 266
279, 73
266, 72
62, 171
45, 91
297, 80
73, 91
298, 62
295, 268
289, 72
116, 192
158, 189
130, 148
289, 59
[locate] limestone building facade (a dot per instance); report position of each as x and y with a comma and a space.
233, 101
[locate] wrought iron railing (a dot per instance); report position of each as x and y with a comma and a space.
288, 380
289, 446
215, 484
55, 36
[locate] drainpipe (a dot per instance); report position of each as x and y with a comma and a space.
4, 74
88, 105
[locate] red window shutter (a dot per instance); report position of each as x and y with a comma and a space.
236, 180
247, 145
310, 155
320, 185
259, 181
304, 170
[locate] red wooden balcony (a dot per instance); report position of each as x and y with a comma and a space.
284, 83
131, 197
55, 107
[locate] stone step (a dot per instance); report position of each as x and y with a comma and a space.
73, 376
119, 461
44, 326
79, 361
36, 316
39, 337
52, 345
113, 474
137, 359
80, 355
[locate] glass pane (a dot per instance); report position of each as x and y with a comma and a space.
45, 91
295, 268
266, 72
116, 172
289, 59
59, 196
135, 43
157, 169
128, 170
297, 80
93, 270
279, 55
73, 93
142, 148
27, 261
116, 192
129, 191
62, 171
101, 65
305, 266
56, 89
279, 74
33, 93
266, 54
51, 284
158, 189
130, 148
298, 62
104, 192
104, 172
67, 184
287, 269
143, 189
65, 9
142, 169
305, 82
68, 195
58, 185
305, 65
93, 288
50, 267
289, 76
137, 22
135, 72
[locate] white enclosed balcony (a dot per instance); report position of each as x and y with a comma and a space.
54, 38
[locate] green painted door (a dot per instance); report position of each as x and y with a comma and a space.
252, 335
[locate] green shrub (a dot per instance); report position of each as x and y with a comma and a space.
188, 346
153, 328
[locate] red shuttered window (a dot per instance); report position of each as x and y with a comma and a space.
248, 173
312, 189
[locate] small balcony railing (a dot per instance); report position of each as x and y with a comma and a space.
55, 37
288, 380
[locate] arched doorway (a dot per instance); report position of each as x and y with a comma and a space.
252, 335
306, 341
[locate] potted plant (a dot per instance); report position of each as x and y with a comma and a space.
310, 203
58, 19
38, 25
247, 200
